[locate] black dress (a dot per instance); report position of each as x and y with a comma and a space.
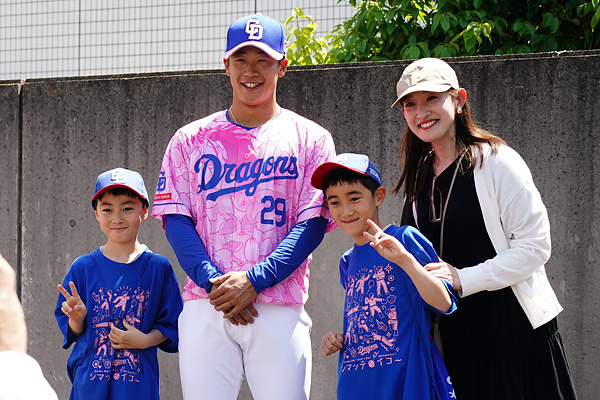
490, 348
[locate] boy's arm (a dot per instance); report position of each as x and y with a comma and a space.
74, 308
133, 338
432, 290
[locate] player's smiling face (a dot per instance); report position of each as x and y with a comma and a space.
430, 116
254, 75
351, 204
120, 217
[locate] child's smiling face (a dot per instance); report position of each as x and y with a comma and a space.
120, 217
351, 204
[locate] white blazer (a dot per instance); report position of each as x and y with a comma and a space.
517, 223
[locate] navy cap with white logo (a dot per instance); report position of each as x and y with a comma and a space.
354, 162
256, 30
120, 178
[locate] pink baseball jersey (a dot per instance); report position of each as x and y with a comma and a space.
244, 190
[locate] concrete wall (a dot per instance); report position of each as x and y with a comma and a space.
57, 135
9, 164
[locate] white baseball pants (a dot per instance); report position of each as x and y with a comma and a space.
274, 353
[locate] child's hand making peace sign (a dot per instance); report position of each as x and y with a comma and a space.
74, 308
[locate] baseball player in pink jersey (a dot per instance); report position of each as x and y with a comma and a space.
236, 202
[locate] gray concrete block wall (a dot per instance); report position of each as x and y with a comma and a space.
9, 163
544, 105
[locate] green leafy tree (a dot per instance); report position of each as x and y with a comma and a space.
305, 47
411, 29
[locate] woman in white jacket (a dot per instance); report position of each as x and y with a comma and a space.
474, 198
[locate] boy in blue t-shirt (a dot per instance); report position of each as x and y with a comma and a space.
385, 350
124, 300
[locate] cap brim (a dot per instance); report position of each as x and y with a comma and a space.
318, 177
264, 47
424, 87
116, 185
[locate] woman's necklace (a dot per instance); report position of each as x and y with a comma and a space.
445, 208
277, 110
446, 204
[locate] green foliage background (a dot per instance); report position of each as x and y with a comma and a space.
412, 29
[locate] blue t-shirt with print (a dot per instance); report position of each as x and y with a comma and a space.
384, 356
146, 294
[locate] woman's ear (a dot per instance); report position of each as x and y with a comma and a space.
461, 97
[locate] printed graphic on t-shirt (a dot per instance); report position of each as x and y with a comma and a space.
372, 320
114, 306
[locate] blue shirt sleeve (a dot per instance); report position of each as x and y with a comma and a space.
302, 240
344, 269
418, 245
170, 305
422, 249
190, 250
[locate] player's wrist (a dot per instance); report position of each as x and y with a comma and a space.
253, 281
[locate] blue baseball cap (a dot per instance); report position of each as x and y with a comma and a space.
256, 30
120, 178
354, 162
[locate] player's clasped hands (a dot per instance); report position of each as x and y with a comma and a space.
233, 295
331, 343
73, 306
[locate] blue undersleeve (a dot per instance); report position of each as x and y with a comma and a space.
190, 250
302, 239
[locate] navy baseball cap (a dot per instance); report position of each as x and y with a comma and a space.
256, 30
354, 162
120, 178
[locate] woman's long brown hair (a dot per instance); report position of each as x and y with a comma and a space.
417, 155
